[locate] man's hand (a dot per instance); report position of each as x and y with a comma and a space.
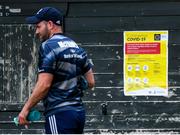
23, 118
39, 92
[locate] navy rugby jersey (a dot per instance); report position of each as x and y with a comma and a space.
62, 57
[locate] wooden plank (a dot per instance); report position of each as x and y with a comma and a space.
51, 1
17, 106
1, 82
2, 44
173, 37
117, 94
116, 66
99, 131
10, 115
158, 22
22, 131
22, 9
106, 24
103, 24
173, 65
108, 66
123, 9
109, 80
12, 90
96, 37
19, 64
133, 131
134, 107
114, 37
115, 52
133, 122
116, 80
10, 125
12, 20
104, 9
112, 52
98, 122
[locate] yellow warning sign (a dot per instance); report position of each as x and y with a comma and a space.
146, 63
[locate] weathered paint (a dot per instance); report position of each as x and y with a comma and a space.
98, 28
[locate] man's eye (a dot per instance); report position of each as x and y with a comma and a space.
37, 26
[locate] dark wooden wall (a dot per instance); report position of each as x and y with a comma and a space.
96, 25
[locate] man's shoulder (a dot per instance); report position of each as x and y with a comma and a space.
58, 38
51, 43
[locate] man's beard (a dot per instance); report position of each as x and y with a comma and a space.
43, 36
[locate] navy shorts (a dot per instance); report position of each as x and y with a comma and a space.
65, 122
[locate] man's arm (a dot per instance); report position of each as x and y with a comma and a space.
90, 78
39, 92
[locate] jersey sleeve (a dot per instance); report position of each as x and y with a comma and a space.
47, 59
87, 64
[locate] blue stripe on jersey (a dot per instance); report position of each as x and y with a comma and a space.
62, 57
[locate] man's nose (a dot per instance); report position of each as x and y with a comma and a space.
37, 32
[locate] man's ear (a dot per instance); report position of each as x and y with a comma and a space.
50, 25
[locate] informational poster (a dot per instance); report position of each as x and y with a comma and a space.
146, 63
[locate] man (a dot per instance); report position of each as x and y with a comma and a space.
61, 63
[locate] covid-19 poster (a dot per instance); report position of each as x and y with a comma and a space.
146, 63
